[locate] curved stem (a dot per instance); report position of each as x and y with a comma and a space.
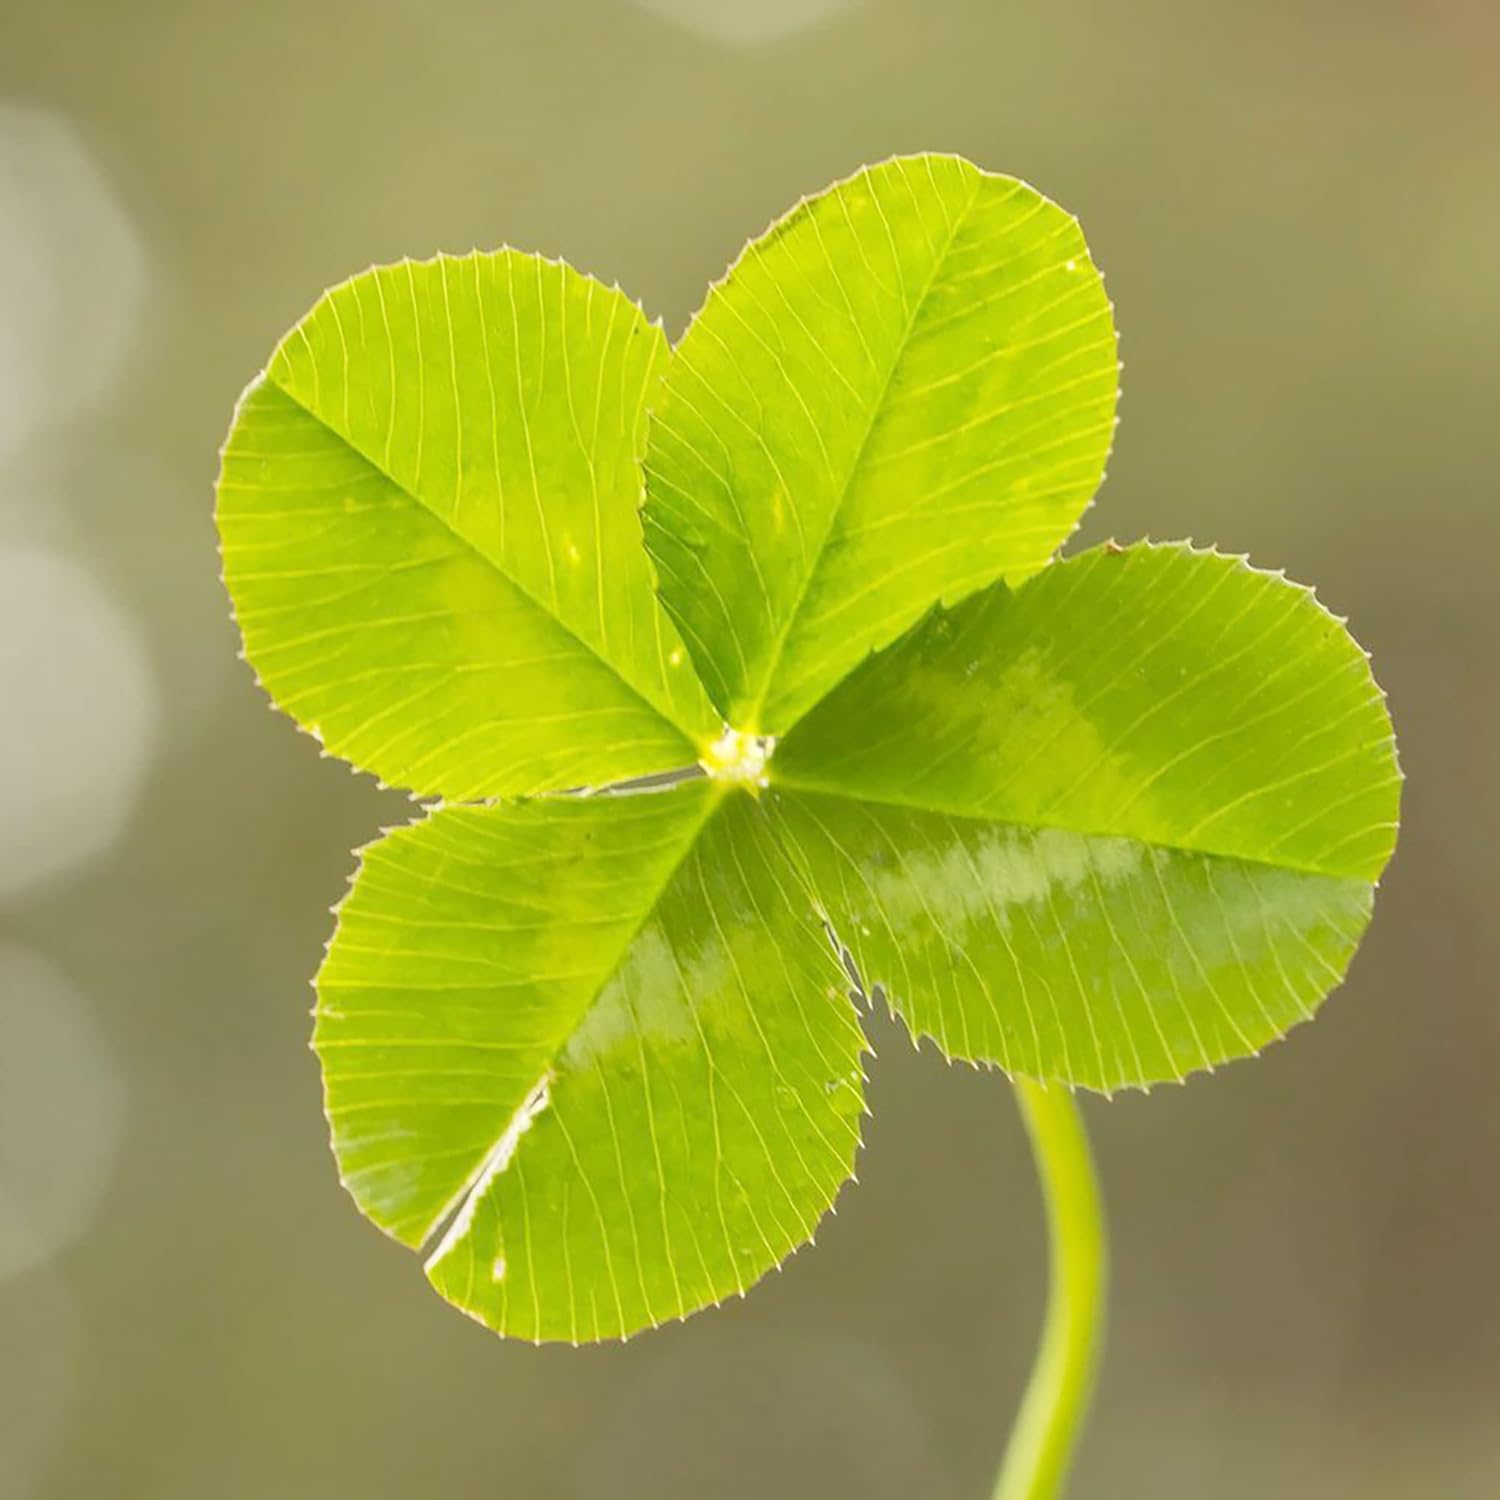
1062, 1379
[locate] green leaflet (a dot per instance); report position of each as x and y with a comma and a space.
428, 514
1120, 824
1102, 821
903, 391
595, 1053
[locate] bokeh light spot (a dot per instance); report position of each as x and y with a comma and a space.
80, 716
72, 277
747, 23
62, 1107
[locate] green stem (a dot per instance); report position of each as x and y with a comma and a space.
1062, 1379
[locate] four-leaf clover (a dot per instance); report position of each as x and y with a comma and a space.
586, 1027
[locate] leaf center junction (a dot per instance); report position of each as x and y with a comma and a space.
739, 757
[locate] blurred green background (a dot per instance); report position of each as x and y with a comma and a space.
1298, 209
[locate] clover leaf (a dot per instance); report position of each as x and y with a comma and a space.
1100, 821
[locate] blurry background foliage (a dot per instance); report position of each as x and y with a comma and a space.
1296, 208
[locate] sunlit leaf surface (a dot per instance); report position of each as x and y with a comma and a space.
1102, 821
1119, 824
904, 390
428, 508
596, 1055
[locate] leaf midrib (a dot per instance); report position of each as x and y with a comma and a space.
714, 800
473, 547
935, 808
778, 646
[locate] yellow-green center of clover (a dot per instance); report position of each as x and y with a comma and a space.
739, 757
